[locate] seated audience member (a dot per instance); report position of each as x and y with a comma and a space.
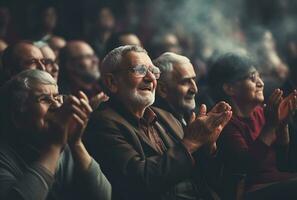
3, 46
256, 139
41, 152
50, 60
144, 151
104, 25
79, 70
56, 43
176, 87
121, 39
20, 56
175, 93
289, 85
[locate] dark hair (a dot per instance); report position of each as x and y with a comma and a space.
114, 41
227, 68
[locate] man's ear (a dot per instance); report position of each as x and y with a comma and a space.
111, 83
228, 89
162, 89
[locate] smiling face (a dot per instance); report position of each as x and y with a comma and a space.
38, 106
182, 89
249, 90
136, 91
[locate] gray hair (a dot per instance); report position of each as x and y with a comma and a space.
166, 61
17, 90
15, 93
113, 60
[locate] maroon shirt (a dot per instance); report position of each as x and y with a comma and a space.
243, 152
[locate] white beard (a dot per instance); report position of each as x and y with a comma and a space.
134, 99
139, 100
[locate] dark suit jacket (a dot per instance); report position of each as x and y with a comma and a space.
134, 167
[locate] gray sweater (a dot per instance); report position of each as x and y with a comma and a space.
21, 178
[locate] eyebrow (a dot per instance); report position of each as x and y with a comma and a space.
188, 77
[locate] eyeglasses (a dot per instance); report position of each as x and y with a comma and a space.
35, 61
50, 99
140, 71
48, 61
253, 76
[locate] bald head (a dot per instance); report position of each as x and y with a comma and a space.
78, 59
21, 56
56, 43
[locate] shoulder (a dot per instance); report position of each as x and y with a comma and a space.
162, 113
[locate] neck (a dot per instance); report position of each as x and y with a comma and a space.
137, 111
243, 109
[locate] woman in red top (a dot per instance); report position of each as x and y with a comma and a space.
255, 141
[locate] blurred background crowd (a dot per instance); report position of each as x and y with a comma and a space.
198, 29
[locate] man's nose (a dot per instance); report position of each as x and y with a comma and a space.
194, 87
150, 76
40, 65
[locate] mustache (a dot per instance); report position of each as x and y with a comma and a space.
146, 85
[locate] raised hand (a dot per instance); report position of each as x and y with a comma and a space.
287, 107
206, 127
271, 109
98, 99
81, 111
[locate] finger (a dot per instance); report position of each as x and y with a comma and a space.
192, 117
74, 100
202, 110
79, 121
278, 99
295, 102
221, 119
291, 107
82, 95
273, 96
219, 107
76, 110
86, 106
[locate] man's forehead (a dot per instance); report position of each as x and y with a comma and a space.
29, 51
184, 70
133, 58
48, 52
79, 48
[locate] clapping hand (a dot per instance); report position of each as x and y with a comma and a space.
205, 128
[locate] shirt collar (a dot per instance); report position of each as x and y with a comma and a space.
149, 116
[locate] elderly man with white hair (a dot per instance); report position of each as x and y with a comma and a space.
143, 150
176, 88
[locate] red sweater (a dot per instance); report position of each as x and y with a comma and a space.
243, 152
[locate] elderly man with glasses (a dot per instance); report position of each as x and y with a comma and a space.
143, 150
19, 57
42, 156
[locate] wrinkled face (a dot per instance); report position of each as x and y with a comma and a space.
250, 89
42, 100
182, 89
138, 91
84, 62
50, 63
29, 57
